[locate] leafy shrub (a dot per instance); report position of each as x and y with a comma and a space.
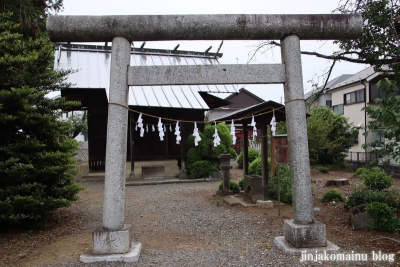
340, 165
241, 183
382, 217
377, 179
360, 172
253, 154
329, 136
332, 195
255, 166
321, 168
233, 186
232, 152
201, 168
366, 196
285, 185
205, 151
374, 178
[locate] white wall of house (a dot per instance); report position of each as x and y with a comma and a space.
354, 112
322, 101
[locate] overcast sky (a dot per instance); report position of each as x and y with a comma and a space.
233, 51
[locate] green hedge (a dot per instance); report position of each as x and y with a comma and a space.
201, 168
285, 185
382, 217
253, 154
332, 195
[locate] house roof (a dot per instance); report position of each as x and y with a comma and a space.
337, 80
330, 84
246, 114
365, 74
355, 78
93, 71
243, 90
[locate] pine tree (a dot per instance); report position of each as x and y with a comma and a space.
36, 158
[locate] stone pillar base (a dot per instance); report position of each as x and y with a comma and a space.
183, 175
305, 236
268, 204
111, 242
131, 256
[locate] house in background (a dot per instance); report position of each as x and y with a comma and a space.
349, 97
324, 98
238, 101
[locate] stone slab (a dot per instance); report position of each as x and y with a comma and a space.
281, 243
225, 193
266, 204
153, 171
237, 200
251, 198
358, 217
109, 241
163, 181
131, 256
305, 236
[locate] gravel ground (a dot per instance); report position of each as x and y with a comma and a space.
182, 225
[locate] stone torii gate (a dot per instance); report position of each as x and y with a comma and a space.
112, 241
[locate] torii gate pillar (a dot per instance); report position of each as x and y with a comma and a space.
112, 241
303, 231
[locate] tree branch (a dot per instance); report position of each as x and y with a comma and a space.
339, 56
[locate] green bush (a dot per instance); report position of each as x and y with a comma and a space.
233, 186
360, 172
239, 160
241, 183
255, 166
201, 168
205, 151
329, 136
285, 184
377, 179
340, 165
321, 168
382, 217
366, 196
332, 195
232, 152
253, 154
374, 178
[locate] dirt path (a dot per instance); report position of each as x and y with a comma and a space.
185, 218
